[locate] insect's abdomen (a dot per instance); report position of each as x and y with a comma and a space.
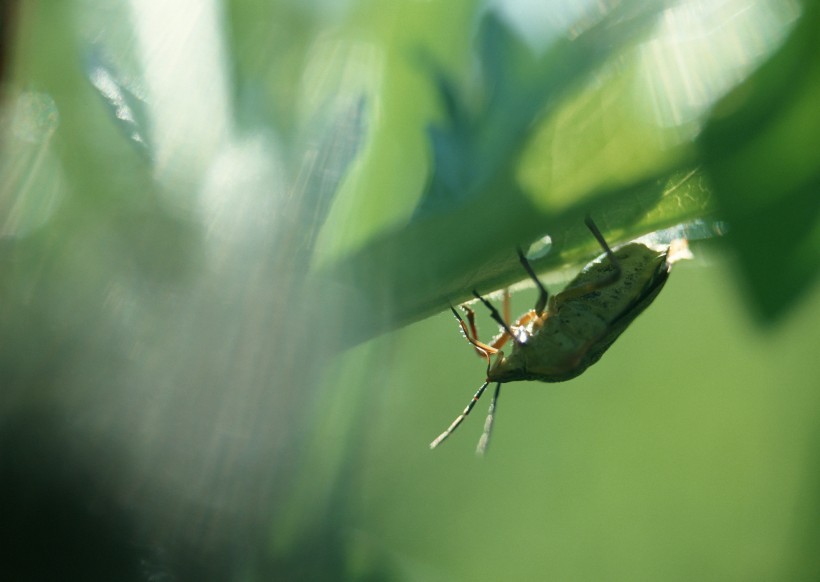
566, 336
596, 319
641, 269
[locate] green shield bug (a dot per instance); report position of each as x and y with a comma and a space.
567, 332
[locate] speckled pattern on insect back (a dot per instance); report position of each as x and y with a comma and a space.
576, 330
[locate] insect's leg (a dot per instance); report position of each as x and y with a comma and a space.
440, 438
496, 316
470, 331
471, 320
484, 441
506, 304
543, 295
474, 330
524, 320
604, 281
481, 348
503, 337
616, 273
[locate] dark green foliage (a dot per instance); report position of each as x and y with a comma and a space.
761, 149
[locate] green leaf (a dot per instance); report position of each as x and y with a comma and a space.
761, 150
474, 212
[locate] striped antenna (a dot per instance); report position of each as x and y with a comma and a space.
460, 418
484, 441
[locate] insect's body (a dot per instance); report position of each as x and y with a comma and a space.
575, 330
568, 332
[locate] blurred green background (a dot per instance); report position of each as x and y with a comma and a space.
688, 452
229, 233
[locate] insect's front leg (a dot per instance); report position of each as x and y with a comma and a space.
474, 331
500, 339
482, 349
507, 333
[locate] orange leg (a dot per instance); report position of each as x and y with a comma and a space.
506, 304
471, 317
502, 338
482, 349
473, 329
494, 314
499, 340
470, 330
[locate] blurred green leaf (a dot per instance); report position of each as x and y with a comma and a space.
474, 203
761, 150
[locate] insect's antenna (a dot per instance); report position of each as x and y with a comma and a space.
460, 417
484, 441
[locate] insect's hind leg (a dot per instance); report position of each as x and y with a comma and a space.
604, 281
616, 273
543, 295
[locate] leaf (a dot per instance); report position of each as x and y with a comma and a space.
474, 213
480, 141
761, 150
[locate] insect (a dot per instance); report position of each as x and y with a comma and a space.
567, 332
